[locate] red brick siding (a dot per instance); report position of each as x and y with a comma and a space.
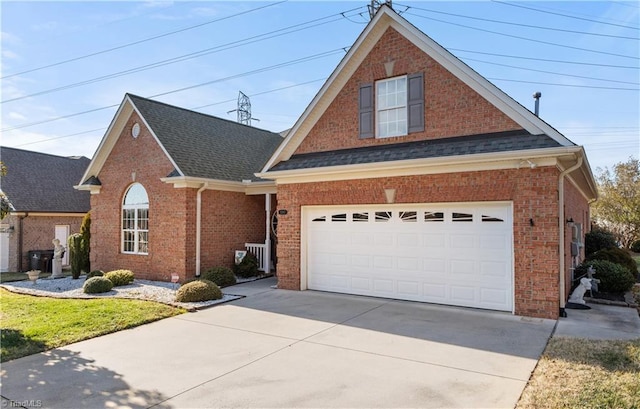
38, 232
228, 219
170, 243
451, 107
532, 191
576, 207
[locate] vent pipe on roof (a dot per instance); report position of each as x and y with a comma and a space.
537, 96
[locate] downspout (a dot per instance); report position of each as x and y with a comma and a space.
563, 313
199, 225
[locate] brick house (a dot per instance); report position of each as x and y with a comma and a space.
410, 176
174, 191
44, 204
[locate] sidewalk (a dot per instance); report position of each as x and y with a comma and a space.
600, 322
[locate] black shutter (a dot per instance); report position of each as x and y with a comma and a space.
366, 111
415, 103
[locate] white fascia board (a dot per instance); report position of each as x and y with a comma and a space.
144, 121
109, 139
329, 90
409, 167
93, 189
477, 82
249, 188
361, 48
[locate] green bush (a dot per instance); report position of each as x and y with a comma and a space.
618, 256
198, 290
598, 239
613, 277
635, 246
95, 273
222, 276
120, 277
96, 285
248, 267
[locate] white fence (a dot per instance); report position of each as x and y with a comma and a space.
258, 250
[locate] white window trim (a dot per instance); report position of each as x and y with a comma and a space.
378, 110
135, 230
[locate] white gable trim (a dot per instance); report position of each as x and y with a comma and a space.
119, 121
384, 19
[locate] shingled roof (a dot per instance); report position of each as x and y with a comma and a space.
461, 145
39, 182
206, 146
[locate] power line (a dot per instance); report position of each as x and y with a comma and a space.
184, 57
524, 25
566, 85
552, 72
256, 71
548, 60
565, 15
199, 107
526, 39
142, 41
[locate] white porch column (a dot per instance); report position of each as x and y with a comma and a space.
267, 240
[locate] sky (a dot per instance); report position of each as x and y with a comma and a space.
66, 66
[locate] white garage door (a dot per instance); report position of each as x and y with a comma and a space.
457, 254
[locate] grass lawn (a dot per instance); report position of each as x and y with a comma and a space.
33, 324
577, 373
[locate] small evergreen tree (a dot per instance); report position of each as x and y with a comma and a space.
85, 232
75, 254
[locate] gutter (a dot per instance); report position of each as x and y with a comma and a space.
199, 224
563, 313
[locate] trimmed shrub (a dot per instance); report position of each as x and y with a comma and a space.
96, 285
618, 256
222, 276
598, 239
613, 277
120, 277
635, 246
85, 232
95, 273
248, 267
199, 290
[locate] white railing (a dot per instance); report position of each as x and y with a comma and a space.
258, 250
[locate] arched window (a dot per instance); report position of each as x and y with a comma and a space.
135, 220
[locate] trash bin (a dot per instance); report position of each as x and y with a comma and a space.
41, 260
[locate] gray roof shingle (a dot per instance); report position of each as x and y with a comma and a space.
206, 146
39, 182
455, 146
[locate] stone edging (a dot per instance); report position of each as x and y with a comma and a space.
629, 301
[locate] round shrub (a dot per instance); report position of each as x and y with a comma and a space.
613, 277
199, 290
248, 267
96, 285
95, 273
222, 276
598, 239
120, 277
635, 246
618, 256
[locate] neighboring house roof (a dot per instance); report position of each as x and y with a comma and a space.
39, 182
461, 145
384, 19
199, 145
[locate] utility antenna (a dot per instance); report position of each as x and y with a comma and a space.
376, 4
243, 110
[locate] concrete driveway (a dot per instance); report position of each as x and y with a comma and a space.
290, 349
